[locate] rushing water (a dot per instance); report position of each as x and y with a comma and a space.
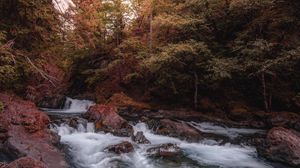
232, 133
72, 106
87, 148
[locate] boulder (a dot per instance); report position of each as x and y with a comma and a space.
177, 129
106, 119
27, 133
124, 147
53, 102
140, 138
165, 150
25, 162
281, 145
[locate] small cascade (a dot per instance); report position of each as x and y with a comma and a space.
72, 106
77, 106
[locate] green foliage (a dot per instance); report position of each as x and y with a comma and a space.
222, 68
9, 70
132, 46
174, 65
101, 73
31, 23
27, 29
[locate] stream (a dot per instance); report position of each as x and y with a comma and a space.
87, 149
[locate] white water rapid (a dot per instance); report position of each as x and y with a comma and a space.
87, 149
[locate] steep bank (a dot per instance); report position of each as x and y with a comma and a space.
25, 133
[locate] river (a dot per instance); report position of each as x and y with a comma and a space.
87, 148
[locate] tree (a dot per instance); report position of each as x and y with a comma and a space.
176, 66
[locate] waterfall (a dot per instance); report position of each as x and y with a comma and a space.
72, 106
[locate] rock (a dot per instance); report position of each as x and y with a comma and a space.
106, 119
3, 165
53, 102
281, 145
177, 129
122, 100
165, 150
73, 122
283, 119
258, 124
124, 147
140, 138
27, 132
26, 162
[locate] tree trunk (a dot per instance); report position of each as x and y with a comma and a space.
151, 29
263, 80
196, 90
270, 96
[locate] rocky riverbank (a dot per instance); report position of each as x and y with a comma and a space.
25, 137
27, 140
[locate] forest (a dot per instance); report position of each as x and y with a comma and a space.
169, 75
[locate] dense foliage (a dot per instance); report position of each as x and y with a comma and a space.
178, 51
27, 29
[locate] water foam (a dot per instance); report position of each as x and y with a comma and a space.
88, 151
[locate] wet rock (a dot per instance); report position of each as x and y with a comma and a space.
54, 102
28, 133
106, 119
165, 150
258, 124
124, 147
73, 122
140, 138
281, 145
25, 162
177, 129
